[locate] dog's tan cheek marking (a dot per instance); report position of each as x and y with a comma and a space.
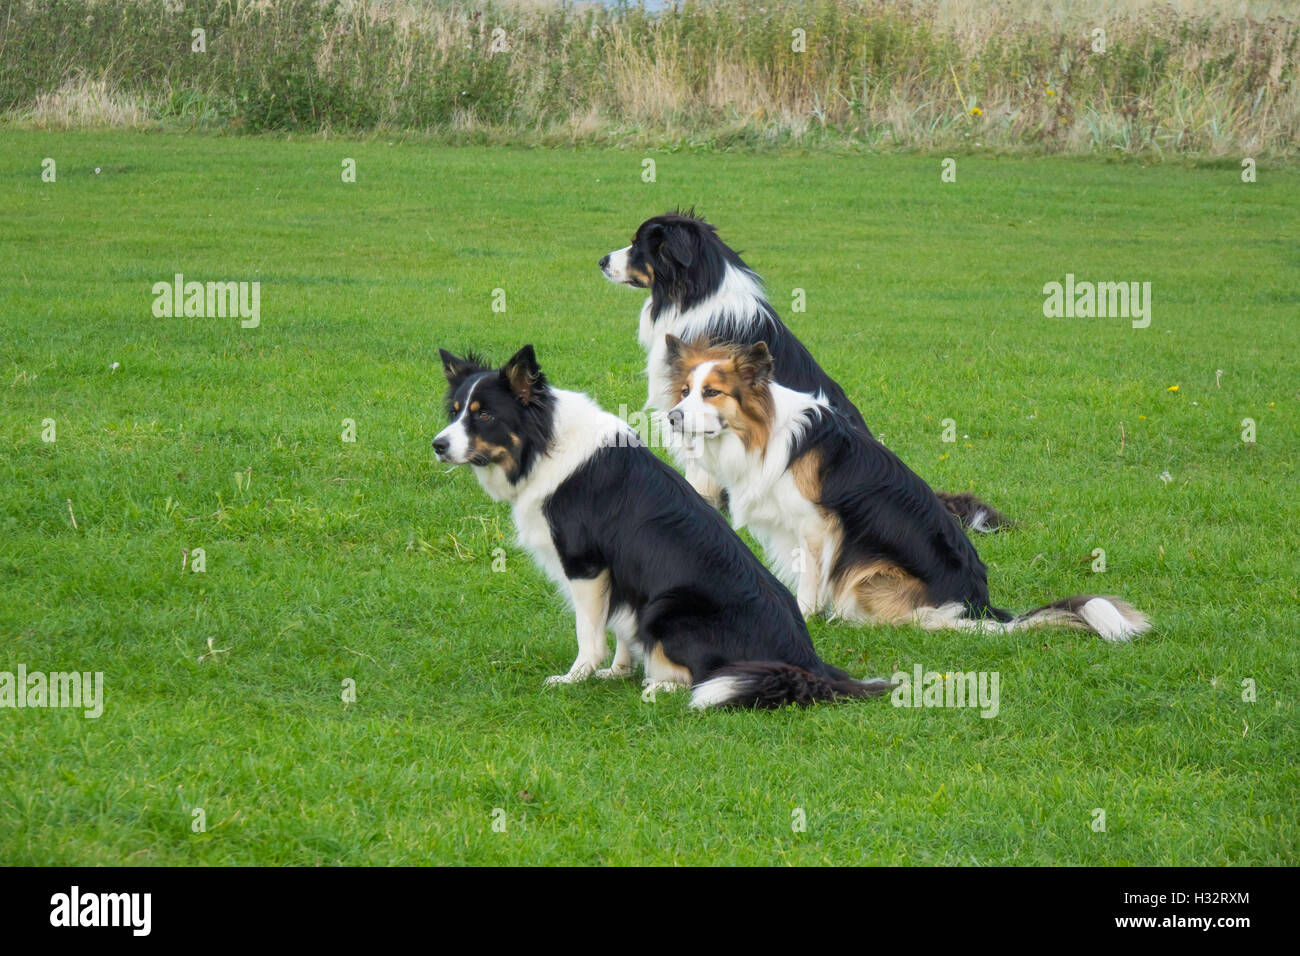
494, 453
751, 418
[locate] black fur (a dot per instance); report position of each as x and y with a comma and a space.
693, 583
767, 685
889, 513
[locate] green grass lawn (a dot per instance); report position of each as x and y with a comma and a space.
328, 561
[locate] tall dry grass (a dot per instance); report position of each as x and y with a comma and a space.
1214, 78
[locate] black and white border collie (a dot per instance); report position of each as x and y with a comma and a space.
631, 546
701, 290
842, 519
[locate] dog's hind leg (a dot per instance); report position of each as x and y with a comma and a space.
661, 673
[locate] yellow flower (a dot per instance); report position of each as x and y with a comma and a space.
1172, 388
1051, 92
976, 111
1142, 418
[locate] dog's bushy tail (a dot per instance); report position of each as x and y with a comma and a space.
1108, 617
770, 684
974, 514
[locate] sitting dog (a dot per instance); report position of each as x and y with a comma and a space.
632, 546
841, 518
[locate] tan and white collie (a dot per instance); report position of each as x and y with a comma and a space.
843, 521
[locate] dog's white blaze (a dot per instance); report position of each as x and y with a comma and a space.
457, 434
457, 442
616, 269
699, 418
714, 691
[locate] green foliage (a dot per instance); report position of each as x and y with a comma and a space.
874, 73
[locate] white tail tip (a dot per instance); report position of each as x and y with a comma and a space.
1113, 622
714, 692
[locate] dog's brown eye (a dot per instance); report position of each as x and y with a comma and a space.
484, 417
710, 392
686, 390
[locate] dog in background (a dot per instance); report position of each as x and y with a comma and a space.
700, 289
631, 546
842, 519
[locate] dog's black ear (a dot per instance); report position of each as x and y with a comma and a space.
456, 369
754, 364
679, 245
523, 376
675, 348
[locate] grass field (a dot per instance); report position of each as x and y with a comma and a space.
328, 561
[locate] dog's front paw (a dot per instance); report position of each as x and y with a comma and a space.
577, 673
614, 673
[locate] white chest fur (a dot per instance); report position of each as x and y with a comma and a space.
762, 492
581, 429
739, 299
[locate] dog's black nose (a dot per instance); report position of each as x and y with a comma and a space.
604, 261
440, 445
675, 419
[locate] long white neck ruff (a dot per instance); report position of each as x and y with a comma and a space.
737, 303
749, 476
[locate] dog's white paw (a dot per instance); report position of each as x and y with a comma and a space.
577, 673
654, 686
613, 673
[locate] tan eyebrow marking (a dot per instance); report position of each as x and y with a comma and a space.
455, 406
473, 406
717, 380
